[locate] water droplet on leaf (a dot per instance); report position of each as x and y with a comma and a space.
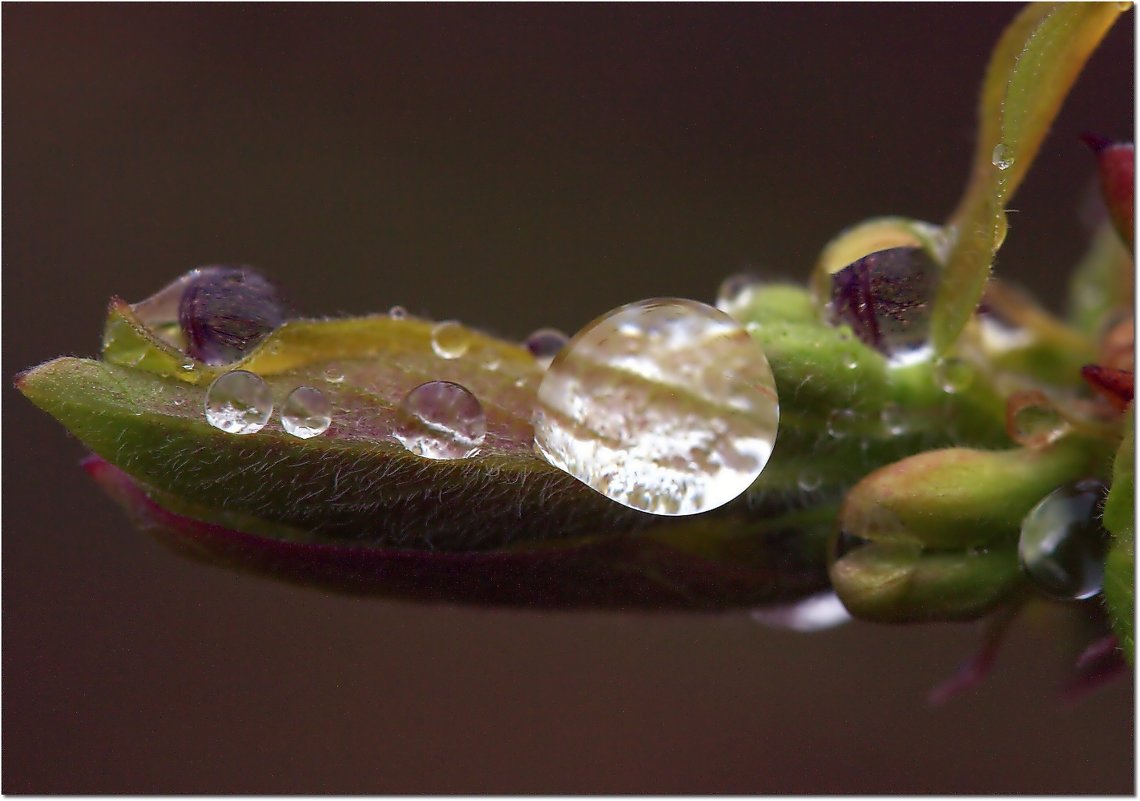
1002, 157
238, 402
306, 413
440, 420
953, 375
735, 291
1063, 545
841, 422
893, 419
450, 340
666, 405
885, 298
398, 313
334, 375
1032, 420
545, 343
225, 311
809, 480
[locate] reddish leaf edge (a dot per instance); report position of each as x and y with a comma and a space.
633, 573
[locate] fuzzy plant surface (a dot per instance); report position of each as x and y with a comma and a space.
925, 410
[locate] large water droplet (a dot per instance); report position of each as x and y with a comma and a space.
1002, 157
545, 343
238, 402
225, 311
736, 291
306, 413
1032, 420
885, 298
666, 405
814, 613
450, 340
440, 420
1063, 545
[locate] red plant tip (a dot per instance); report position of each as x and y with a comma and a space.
1100, 664
1116, 164
1118, 386
1096, 142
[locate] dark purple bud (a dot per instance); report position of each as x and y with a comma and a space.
225, 311
885, 297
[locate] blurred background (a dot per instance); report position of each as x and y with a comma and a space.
515, 167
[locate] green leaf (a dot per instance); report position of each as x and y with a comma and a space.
1120, 520
1032, 69
141, 409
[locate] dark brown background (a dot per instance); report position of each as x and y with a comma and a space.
514, 167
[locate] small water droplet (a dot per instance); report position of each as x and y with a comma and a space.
545, 343
1063, 545
177, 401
814, 613
736, 291
953, 375
893, 419
851, 363
440, 420
398, 313
450, 340
238, 402
1032, 420
841, 422
809, 480
306, 413
334, 375
1002, 157
665, 405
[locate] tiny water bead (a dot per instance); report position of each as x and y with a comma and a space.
1063, 545
306, 413
667, 406
440, 420
450, 340
841, 422
1002, 157
334, 375
809, 480
238, 402
735, 291
953, 375
893, 419
1032, 420
398, 313
545, 343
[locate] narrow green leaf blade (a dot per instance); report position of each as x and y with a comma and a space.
1032, 69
